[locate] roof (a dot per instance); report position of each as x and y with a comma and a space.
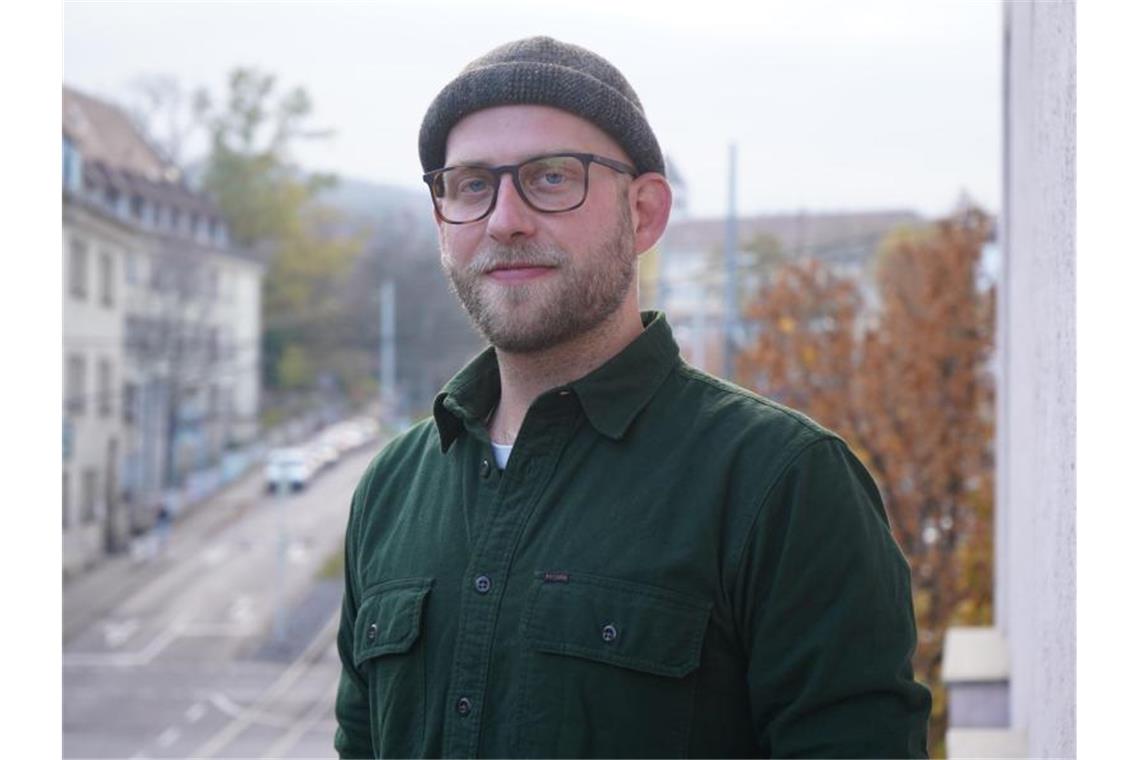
173, 194
795, 231
103, 132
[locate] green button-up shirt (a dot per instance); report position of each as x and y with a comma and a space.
669, 565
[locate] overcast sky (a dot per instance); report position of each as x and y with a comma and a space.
833, 105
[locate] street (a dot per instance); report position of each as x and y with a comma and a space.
189, 654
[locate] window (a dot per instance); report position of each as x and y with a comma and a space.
106, 279
72, 167
104, 388
90, 489
78, 269
131, 268
130, 400
66, 502
76, 384
175, 219
138, 206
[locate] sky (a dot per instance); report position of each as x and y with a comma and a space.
833, 106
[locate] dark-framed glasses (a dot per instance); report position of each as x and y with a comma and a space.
550, 184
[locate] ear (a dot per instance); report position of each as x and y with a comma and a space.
651, 200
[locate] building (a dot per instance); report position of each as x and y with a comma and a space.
1012, 686
161, 326
692, 275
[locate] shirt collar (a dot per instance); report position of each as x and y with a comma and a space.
611, 396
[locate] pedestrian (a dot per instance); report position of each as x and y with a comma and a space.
162, 529
592, 548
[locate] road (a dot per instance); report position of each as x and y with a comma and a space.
186, 654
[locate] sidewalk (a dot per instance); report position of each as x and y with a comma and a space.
91, 595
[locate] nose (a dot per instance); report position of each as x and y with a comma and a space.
511, 218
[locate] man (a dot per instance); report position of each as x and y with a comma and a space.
592, 548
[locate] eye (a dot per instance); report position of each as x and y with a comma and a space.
553, 177
473, 185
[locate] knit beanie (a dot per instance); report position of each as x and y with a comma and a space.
543, 71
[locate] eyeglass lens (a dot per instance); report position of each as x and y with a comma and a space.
551, 183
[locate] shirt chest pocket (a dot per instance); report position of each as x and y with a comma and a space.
388, 648
611, 667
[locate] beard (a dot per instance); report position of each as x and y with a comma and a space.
579, 295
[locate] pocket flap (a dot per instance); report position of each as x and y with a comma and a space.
630, 625
388, 620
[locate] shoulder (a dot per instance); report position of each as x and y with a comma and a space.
737, 415
399, 459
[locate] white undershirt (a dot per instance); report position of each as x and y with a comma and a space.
502, 453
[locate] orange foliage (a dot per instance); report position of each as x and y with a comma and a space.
908, 385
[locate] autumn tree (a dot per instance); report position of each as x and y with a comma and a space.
909, 387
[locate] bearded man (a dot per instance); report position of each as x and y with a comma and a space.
592, 548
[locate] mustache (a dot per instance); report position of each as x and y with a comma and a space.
495, 255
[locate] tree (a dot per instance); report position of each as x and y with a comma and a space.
273, 211
909, 387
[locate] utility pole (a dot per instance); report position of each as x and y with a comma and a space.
281, 497
388, 347
730, 267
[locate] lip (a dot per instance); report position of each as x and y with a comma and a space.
518, 273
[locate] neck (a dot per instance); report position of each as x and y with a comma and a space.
525, 377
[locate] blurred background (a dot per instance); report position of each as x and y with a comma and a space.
253, 305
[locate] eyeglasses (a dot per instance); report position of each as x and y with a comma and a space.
550, 184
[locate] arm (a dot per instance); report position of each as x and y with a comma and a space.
824, 608
354, 733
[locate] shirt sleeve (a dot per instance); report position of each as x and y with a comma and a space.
354, 733
824, 609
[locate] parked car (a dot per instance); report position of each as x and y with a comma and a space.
324, 452
293, 467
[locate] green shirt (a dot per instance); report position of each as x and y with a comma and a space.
669, 565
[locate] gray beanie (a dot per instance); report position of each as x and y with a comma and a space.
543, 71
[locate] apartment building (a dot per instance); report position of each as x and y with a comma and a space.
161, 319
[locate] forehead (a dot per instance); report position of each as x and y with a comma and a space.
507, 134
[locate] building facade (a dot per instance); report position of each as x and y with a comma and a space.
691, 272
161, 332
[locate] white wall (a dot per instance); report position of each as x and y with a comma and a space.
93, 330
1035, 551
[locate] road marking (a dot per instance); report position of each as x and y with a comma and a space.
195, 712
215, 555
315, 714
254, 712
235, 711
116, 632
242, 609
169, 736
298, 553
129, 659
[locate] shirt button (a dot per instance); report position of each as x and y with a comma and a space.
463, 706
609, 633
482, 584
372, 630
485, 468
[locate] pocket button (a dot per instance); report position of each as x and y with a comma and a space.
609, 633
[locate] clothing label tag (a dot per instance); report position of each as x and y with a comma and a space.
560, 577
